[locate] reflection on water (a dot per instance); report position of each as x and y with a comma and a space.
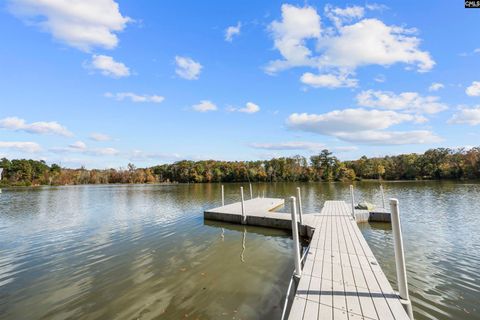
102, 252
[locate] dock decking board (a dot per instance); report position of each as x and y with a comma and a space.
341, 278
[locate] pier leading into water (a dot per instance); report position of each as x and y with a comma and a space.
338, 276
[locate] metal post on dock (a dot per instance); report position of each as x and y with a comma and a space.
300, 211
223, 196
383, 196
296, 241
353, 201
251, 192
400, 258
244, 218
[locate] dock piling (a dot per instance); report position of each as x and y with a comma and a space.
353, 201
251, 191
244, 218
223, 196
296, 241
383, 195
300, 210
400, 257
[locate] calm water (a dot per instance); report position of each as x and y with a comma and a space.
143, 252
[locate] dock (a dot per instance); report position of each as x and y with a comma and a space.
340, 277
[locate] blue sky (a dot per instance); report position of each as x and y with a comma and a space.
102, 83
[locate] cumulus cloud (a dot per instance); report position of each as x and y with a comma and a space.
232, 31
81, 24
250, 107
298, 24
474, 89
41, 127
291, 145
187, 68
360, 125
107, 66
352, 42
436, 86
30, 147
120, 96
204, 106
95, 136
405, 101
470, 116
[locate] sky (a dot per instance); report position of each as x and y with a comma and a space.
102, 83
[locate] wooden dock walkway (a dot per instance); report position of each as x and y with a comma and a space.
341, 279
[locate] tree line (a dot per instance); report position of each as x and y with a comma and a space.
434, 164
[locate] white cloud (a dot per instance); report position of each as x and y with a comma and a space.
290, 35
341, 49
436, 86
328, 80
341, 15
291, 145
78, 145
470, 116
81, 24
41, 127
359, 125
81, 147
250, 107
138, 155
95, 136
187, 68
103, 151
108, 66
405, 101
204, 106
120, 96
30, 147
377, 137
232, 31
474, 89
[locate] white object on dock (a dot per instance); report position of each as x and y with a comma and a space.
353, 201
383, 195
296, 241
300, 210
223, 196
400, 257
244, 217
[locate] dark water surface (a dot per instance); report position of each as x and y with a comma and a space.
144, 252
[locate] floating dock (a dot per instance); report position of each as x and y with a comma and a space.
340, 278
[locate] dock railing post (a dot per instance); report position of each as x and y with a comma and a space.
251, 191
400, 258
244, 218
296, 241
300, 210
383, 196
353, 201
223, 196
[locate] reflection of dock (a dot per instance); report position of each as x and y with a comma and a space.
340, 277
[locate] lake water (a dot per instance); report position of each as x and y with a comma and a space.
145, 252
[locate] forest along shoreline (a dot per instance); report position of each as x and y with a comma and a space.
434, 164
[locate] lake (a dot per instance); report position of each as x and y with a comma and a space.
145, 252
